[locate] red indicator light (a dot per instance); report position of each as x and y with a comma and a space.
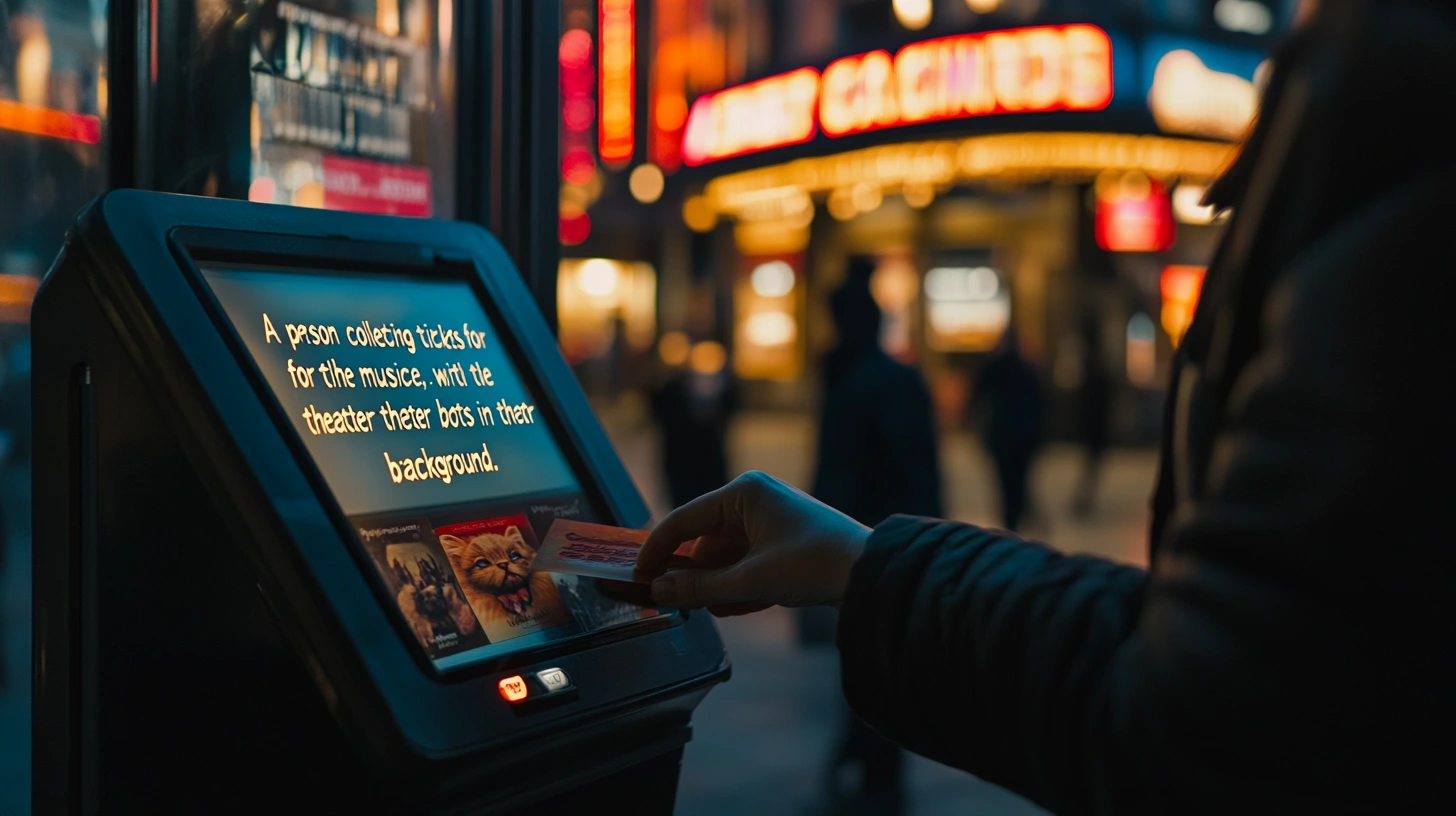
513, 689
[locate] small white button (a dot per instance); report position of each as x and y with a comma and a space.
553, 679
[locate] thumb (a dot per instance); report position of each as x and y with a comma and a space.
693, 588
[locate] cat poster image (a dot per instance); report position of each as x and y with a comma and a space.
420, 579
493, 559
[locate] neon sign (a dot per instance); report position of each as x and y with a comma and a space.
1047, 68
38, 121
615, 132
771, 112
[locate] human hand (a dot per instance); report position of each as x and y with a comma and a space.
754, 544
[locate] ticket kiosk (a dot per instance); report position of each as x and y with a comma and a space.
291, 470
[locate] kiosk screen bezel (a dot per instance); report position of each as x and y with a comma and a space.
345, 257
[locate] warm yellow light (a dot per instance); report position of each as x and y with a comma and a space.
674, 348
894, 284
598, 277
913, 14
708, 357
646, 183
841, 204
310, 194
698, 214
1189, 97
1188, 204
386, 17
1127, 185
770, 237
983, 6
774, 279
918, 196
33, 67
770, 329
1013, 158
866, 197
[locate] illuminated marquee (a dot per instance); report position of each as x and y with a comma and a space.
1024, 70
771, 112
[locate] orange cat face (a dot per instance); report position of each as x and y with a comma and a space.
498, 565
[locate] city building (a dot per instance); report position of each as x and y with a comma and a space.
1007, 165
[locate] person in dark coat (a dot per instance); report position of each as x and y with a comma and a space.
1094, 406
693, 409
1008, 394
1289, 649
877, 457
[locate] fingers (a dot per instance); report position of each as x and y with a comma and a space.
710, 513
693, 588
714, 551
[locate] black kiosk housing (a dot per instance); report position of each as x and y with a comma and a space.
211, 633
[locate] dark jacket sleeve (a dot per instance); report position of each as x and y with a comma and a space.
1290, 650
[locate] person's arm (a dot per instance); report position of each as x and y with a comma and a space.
1290, 650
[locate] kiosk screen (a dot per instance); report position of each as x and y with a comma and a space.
419, 421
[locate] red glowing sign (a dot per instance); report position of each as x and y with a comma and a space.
38, 121
1026, 70
578, 109
1136, 223
361, 185
1023, 70
616, 131
1181, 287
771, 112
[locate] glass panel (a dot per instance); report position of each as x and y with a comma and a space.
52, 108
347, 104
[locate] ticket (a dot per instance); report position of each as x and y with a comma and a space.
593, 550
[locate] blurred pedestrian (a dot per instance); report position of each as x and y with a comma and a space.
877, 457
693, 407
1007, 397
1094, 406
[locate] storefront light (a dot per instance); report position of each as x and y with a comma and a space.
967, 308
598, 277
1189, 97
1188, 205
773, 279
771, 329
841, 204
913, 14
708, 358
866, 197
600, 301
674, 348
918, 196
1014, 157
698, 214
646, 183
